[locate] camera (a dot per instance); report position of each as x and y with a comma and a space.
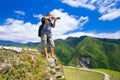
58, 18
55, 17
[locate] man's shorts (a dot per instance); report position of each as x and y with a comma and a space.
46, 40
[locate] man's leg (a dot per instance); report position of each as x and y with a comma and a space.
51, 45
52, 52
44, 44
46, 54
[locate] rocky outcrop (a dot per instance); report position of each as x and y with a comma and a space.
4, 67
18, 50
55, 70
85, 61
30, 63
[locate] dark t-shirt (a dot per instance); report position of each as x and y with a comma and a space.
47, 28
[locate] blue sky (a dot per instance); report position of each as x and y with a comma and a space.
20, 19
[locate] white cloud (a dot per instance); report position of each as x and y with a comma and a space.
111, 15
20, 12
115, 35
105, 7
38, 16
67, 22
17, 30
83, 20
20, 31
81, 3
108, 9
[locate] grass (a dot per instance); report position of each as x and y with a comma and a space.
77, 74
28, 65
114, 75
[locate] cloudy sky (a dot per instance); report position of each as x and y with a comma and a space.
20, 19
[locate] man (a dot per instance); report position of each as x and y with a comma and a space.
46, 34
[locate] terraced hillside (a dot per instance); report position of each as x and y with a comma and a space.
92, 52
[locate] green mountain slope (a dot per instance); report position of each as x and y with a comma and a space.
103, 53
63, 52
65, 49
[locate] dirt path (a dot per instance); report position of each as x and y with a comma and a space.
106, 76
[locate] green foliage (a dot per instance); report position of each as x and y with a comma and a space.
28, 65
103, 53
63, 52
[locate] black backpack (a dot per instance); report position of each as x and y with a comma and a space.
41, 27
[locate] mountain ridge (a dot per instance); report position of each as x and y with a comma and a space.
13, 43
102, 52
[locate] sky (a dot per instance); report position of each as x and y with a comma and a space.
20, 19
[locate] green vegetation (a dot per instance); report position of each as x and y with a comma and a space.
28, 65
103, 53
77, 74
114, 75
63, 52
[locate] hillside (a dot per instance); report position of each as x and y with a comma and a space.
27, 64
92, 52
19, 66
84, 51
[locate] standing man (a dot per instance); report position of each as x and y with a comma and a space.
46, 34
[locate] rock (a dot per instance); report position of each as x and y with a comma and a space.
85, 61
63, 77
54, 69
18, 50
52, 63
52, 78
58, 68
4, 68
58, 74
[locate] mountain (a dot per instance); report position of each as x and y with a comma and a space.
92, 52
11, 43
83, 51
